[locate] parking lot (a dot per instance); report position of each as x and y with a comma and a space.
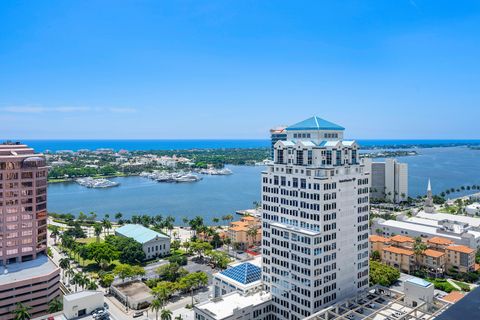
378, 304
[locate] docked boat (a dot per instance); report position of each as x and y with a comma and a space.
96, 183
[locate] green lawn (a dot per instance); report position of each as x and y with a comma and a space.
449, 209
85, 240
462, 285
441, 284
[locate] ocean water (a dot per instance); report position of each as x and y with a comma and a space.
215, 196
55, 145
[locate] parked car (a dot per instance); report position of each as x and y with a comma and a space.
138, 314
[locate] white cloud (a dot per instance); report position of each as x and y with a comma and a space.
29, 109
122, 110
71, 109
24, 109
66, 109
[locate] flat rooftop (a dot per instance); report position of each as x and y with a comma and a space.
26, 270
221, 308
452, 217
379, 303
419, 228
296, 229
135, 291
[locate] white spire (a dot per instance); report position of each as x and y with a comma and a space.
429, 188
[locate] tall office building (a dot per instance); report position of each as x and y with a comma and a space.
315, 201
277, 134
26, 274
389, 180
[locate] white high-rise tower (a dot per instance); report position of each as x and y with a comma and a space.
315, 201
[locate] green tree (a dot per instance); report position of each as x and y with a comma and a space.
107, 225
124, 271
193, 281
22, 312
55, 306
64, 264
200, 247
383, 274
97, 230
92, 285
130, 251
170, 272
166, 314
155, 306
54, 233
101, 253
375, 255
107, 279
218, 259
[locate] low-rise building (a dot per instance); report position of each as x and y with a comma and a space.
241, 232
255, 306
473, 209
82, 303
441, 255
461, 230
399, 258
419, 292
244, 278
460, 258
154, 244
377, 243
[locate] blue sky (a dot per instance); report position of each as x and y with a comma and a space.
233, 69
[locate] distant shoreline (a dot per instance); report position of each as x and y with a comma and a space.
195, 144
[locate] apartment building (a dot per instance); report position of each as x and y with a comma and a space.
399, 258
246, 232
460, 258
440, 256
389, 180
315, 202
26, 274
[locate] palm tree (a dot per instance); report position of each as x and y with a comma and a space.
97, 230
195, 224
166, 314
155, 306
55, 232
107, 225
55, 306
69, 273
118, 216
92, 285
77, 279
252, 233
418, 248
21, 312
84, 281
64, 263
185, 220
215, 220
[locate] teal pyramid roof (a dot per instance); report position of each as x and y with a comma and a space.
315, 123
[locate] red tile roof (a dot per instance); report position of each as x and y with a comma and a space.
400, 238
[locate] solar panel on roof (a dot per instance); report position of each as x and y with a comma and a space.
244, 273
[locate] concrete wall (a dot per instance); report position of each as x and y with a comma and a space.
85, 301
